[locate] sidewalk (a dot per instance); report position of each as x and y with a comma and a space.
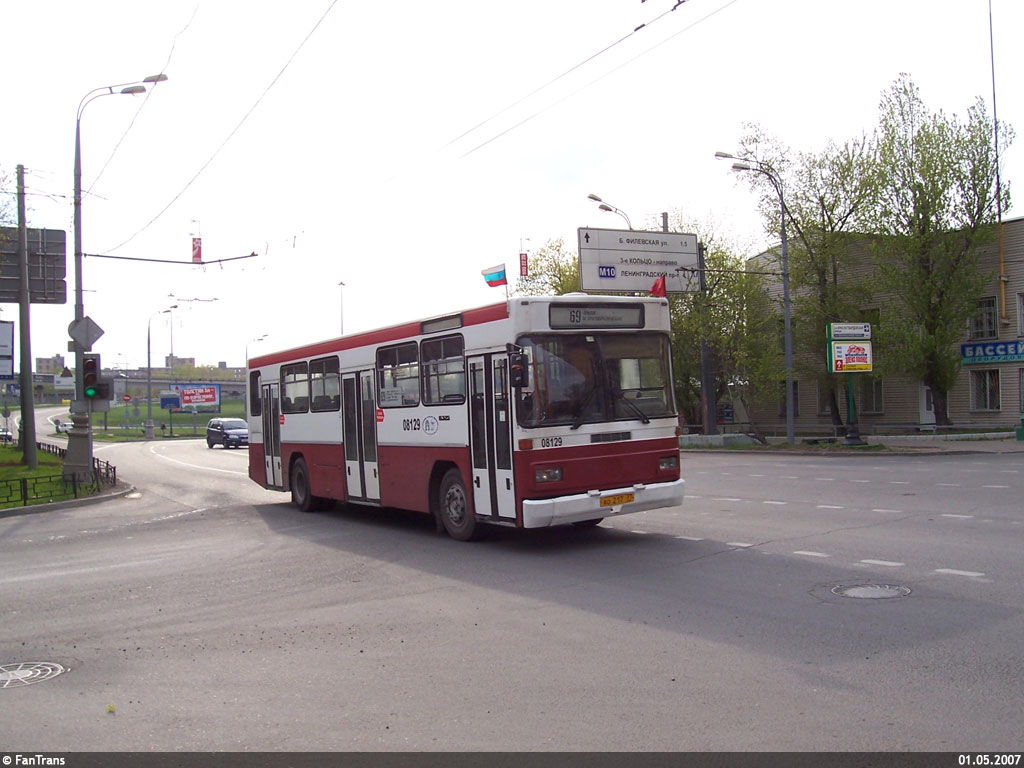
991, 442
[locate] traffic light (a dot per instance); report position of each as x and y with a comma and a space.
90, 374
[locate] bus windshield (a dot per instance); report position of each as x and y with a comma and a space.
582, 378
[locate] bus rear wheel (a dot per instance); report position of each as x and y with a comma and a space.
453, 503
302, 496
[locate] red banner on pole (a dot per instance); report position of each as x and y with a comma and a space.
197, 250
524, 268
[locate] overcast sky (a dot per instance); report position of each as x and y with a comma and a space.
401, 147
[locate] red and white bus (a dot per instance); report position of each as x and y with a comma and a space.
533, 412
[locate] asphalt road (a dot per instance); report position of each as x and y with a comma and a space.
203, 613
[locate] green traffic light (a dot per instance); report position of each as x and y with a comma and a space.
90, 391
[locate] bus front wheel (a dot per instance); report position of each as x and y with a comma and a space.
453, 502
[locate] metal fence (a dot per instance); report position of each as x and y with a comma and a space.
40, 490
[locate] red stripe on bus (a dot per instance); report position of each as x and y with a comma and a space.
476, 316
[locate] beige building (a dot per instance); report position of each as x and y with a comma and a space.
989, 390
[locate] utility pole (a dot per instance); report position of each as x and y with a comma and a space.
28, 413
707, 371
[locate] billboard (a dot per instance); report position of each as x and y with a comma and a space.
199, 396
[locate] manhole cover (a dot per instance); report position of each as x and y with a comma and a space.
871, 591
27, 673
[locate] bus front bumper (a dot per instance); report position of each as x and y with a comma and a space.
541, 513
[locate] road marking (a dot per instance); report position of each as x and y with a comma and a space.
954, 572
899, 482
725, 498
860, 481
995, 486
886, 563
152, 449
828, 506
741, 544
949, 485
888, 511
959, 517
690, 538
777, 503
638, 531
756, 475
811, 554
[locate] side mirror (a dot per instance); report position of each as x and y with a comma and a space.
517, 374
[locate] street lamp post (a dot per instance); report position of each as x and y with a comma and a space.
610, 208
149, 370
78, 459
341, 305
759, 166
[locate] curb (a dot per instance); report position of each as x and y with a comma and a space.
121, 489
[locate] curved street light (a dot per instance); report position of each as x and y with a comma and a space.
78, 460
149, 370
610, 208
759, 166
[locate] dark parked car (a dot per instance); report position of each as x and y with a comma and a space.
231, 433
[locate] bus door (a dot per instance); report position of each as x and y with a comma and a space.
360, 436
271, 396
490, 426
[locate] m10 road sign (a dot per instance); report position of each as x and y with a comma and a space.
631, 260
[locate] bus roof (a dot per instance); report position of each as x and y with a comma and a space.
466, 317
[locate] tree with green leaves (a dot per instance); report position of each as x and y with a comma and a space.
735, 317
554, 271
936, 183
827, 197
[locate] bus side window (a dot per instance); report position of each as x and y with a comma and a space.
398, 370
444, 370
255, 403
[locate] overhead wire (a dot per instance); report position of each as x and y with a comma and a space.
231, 135
567, 72
597, 79
144, 102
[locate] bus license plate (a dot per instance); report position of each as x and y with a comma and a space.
614, 501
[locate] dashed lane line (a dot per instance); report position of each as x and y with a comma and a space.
955, 572
884, 563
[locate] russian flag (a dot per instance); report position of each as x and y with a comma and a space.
495, 276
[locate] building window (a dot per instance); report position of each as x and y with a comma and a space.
1020, 314
983, 324
782, 398
823, 399
870, 392
985, 390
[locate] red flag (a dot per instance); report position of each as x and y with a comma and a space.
658, 289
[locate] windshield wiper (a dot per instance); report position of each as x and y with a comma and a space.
620, 395
583, 406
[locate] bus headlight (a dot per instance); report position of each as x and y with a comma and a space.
668, 462
549, 475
